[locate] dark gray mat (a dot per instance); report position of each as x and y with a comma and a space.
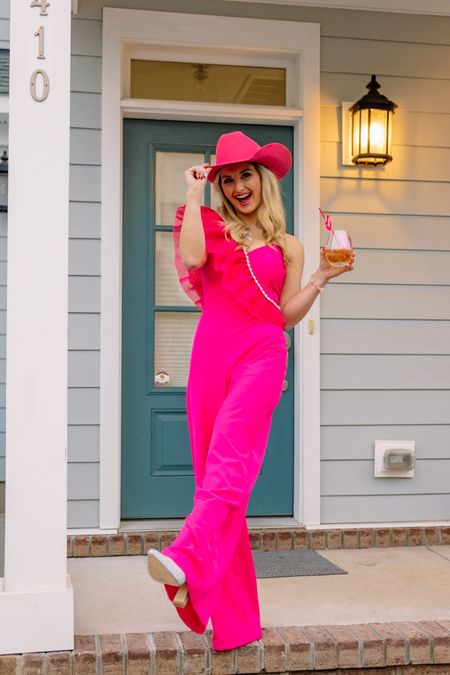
293, 563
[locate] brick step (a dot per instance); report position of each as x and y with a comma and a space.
264, 539
396, 648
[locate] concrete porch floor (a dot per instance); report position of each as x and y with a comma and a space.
116, 595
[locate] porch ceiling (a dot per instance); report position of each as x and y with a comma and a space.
432, 7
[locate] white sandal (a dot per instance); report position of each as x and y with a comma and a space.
164, 569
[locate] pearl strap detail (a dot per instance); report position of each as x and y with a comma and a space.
257, 282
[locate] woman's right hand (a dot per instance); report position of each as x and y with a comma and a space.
196, 178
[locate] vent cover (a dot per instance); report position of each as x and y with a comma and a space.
262, 91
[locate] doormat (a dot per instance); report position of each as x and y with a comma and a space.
294, 563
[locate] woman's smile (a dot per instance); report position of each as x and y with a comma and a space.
241, 185
244, 199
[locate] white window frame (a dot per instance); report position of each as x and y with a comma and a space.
209, 39
229, 56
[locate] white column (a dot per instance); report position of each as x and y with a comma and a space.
36, 599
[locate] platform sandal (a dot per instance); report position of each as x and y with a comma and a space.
164, 569
181, 597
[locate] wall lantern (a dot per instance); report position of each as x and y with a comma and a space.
368, 128
4, 182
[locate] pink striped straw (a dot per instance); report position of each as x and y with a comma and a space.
326, 220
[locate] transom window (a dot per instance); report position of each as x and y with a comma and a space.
209, 82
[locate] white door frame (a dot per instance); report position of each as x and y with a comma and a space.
172, 36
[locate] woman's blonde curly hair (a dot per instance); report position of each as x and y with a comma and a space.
270, 214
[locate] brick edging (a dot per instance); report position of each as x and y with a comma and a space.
397, 647
264, 539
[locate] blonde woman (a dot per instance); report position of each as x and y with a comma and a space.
243, 270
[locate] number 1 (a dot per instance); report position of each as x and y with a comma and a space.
40, 34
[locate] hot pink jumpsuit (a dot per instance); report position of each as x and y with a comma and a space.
237, 367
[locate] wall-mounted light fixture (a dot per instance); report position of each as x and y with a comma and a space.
4, 182
367, 128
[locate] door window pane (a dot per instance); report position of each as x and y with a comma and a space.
215, 199
217, 83
168, 289
170, 184
174, 332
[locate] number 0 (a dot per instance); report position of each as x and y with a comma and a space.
45, 82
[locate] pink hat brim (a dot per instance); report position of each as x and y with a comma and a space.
274, 156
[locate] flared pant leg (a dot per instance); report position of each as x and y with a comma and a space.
235, 616
203, 403
206, 544
240, 623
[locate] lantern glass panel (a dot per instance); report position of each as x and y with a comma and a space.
378, 124
389, 138
364, 144
355, 134
3, 191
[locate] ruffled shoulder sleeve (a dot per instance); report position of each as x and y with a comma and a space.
230, 261
215, 242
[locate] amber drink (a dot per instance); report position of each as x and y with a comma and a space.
338, 249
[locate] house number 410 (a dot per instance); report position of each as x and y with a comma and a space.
40, 33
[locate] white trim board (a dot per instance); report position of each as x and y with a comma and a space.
215, 112
168, 33
432, 7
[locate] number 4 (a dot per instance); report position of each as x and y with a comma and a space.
43, 4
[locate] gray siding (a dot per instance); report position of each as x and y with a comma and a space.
84, 275
385, 366
385, 327
4, 24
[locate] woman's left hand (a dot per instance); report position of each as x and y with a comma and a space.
329, 270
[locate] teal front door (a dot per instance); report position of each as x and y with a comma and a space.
158, 324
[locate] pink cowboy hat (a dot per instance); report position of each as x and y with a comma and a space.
236, 147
